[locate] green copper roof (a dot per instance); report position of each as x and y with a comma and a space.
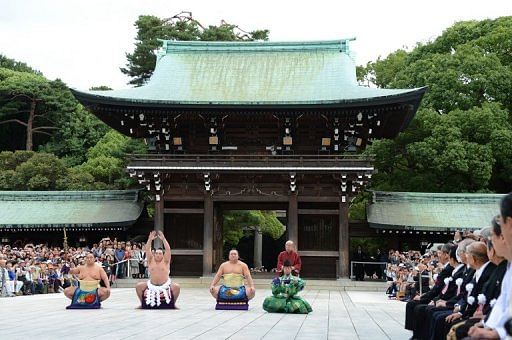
432, 211
249, 73
69, 208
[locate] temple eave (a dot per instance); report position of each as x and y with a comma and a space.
405, 97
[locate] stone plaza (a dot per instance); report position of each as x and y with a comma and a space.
337, 314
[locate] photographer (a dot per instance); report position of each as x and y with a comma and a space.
23, 275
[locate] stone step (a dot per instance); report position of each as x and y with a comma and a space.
204, 282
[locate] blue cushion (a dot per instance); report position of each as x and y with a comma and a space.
232, 294
85, 299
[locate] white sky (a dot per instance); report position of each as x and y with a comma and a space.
84, 42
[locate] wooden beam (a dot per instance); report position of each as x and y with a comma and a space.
183, 211
315, 253
208, 235
318, 211
183, 198
250, 199
252, 205
344, 240
187, 252
293, 220
315, 199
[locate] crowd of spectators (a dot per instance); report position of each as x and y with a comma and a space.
27, 269
470, 284
404, 269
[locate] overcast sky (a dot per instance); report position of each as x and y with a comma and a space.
84, 42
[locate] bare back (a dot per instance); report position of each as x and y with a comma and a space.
158, 271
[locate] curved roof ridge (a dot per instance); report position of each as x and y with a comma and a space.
94, 195
397, 195
432, 211
265, 43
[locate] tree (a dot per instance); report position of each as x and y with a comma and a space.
116, 145
179, 27
22, 170
100, 88
79, 179
238, 223
106, 160
14, 65
33, 102
75, 136
460, 139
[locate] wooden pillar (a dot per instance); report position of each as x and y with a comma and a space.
344, 240
293, 220
208, 235
218, 241
159, 221
258, 248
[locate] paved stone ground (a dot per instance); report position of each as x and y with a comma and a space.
336, 315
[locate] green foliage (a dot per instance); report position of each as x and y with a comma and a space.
357, 209
80, 133
457, 152
106, 160
238, 223
14, 65
10, 160
100, 88
103, 169
382, 72
22, 170
34, 102
16, 82
180, 27
460, 139
78, 179
369, 245
116, 145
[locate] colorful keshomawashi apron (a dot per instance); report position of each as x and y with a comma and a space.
284, 297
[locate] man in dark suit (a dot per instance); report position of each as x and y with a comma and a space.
445, 308
496, 246
414, 306
359, 255
498, 324
449, 291
478, 260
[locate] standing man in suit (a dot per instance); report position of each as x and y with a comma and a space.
359, 255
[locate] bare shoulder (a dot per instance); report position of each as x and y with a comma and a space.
223, 265
244, 266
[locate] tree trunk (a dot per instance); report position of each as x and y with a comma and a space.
30, 123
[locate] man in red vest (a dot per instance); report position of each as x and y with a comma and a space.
289, 255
